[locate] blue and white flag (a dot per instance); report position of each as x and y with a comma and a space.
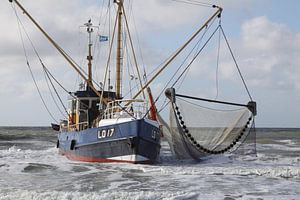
103, 38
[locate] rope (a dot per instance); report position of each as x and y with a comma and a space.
49, 73
140, 49
188, 66
37, 87
236, 63
51, 94
218, 60
100, 32
44, 67
29, 67
186, 58
107, 68
180, 84
193, 2
46, 73
70, 93
194, 58
164, 106
132, 49
65, 109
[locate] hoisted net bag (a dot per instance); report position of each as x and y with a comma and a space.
247, 146
199, 128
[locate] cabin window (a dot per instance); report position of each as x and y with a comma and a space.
84, 104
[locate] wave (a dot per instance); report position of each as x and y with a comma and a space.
265, 171
25, 133
37, 167
44, 174
263, 165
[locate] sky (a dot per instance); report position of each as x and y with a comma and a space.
264, 36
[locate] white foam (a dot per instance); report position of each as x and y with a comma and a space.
50, 195
128, 195
292, 142
289, 147
215, 177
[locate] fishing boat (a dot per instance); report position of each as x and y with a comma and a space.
103, 126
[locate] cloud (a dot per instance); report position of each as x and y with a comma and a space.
157, 15
269, 54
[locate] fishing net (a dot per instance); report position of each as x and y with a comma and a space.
197, 129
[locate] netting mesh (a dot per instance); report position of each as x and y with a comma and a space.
195, 131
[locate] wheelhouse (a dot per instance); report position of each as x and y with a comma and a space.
83, 109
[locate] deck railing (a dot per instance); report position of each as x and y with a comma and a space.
74, 127
136, 108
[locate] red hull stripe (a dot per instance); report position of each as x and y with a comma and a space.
74, 157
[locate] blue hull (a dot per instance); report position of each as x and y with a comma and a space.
136, 141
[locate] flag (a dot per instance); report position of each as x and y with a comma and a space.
103, 38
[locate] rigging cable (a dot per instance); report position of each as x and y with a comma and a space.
46, 71
131, 13
221, 30
29, 67
100, 32
62, 87
197, 3
220, 27
180, 84
130, 71
65, 109
49, 73
107, 68
110, 35
81, 53
180, 66
51, 94
190, 63
197, 54
218, 61
96, 43
133, 51
237, 66
193, 59
76, 64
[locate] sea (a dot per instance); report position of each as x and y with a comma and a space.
31, 168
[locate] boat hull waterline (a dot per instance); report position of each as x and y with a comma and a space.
136, 141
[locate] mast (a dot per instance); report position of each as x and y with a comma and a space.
89, 57
119, 49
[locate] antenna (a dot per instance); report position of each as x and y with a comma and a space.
90, 29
